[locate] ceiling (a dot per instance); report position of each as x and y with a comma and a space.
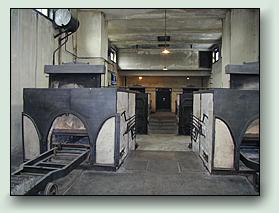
187, 28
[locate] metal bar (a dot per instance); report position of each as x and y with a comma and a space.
249, 162
70, 145
49, 170
41, 157
125, 117
35, 170
39, 168
51, 164
72, 152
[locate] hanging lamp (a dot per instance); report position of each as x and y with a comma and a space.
165, 50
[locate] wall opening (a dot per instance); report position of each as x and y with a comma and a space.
249, 147
68, 129
163, 100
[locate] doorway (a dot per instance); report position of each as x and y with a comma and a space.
163, 100
185, 111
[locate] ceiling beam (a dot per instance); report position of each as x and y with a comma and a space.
124, 14
204, 72
161, 30
153, 36
146, 42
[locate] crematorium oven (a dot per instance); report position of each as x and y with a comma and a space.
220, 120
73, 112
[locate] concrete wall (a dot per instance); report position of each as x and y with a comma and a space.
176, 83
125, 102
32, 44
240, 40
206, 142
132, 112
71, 45
89, 34
151, 59
215, 80
197, 113
244, 36
92, 40
164, 81
226, 50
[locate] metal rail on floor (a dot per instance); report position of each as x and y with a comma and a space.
36, 175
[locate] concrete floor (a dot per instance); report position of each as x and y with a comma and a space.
155, 173
166, 171
163, 142
162, 165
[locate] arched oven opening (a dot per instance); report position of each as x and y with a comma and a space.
249, 147
69, 131
249, 161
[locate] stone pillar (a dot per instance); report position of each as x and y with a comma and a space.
174, 94
152, 92
240, 39
92, 39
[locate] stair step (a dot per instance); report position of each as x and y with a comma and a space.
163, 124
162, 132
163, 120
162, 128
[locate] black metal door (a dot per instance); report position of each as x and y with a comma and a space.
139, 89
163, 99
141, 113
185, 111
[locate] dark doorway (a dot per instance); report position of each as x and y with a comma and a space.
205, 59
185, 111
139, 89
141, 113
141, 110
163, 100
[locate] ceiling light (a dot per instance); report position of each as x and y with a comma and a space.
140, 77
188, 78
165, 68
165, 51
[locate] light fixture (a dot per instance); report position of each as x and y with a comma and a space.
140, 77
165, 68
188, 78
165, 51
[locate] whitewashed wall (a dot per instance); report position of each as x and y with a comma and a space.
32, 44
123, 105
105, 143
197, 113
224, 146
206, 142
132, 112
31, 140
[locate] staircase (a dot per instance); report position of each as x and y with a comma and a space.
163, 123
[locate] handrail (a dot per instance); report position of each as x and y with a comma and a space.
125, 117
131, 124
196, 126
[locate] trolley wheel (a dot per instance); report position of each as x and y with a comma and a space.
51, 189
